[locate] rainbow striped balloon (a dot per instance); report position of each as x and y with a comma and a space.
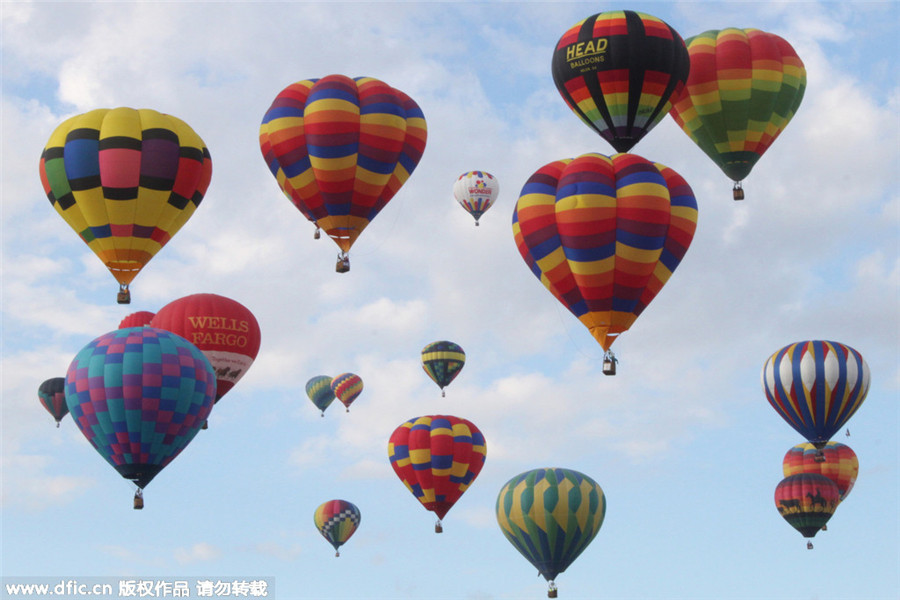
835, 461
604, 234
341, 148
619, 71
745, 86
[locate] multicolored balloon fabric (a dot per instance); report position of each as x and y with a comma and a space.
604, 234
136, 319
140, 395
437, 457
619, 71
126, 181
442, 361
319, 391
550, 516
807, 501
337, 520
341, 148
835, 461
745, 86
816, 386
347, 387
52, 394
224, 329
476, 191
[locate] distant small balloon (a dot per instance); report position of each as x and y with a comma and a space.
476, 191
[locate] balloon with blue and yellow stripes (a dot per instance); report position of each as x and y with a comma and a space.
604, 235
551, 515
442, 361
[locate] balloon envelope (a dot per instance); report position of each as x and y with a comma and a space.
816, 386
225, 331
604, 234
136, 319
126, 181
319, 391
140, 395
437, 457
550, 516
619, 71
340, 148
52, 394
745, 86
835, 461
347, 387
476, 191
442, 361
806, 501
337, 520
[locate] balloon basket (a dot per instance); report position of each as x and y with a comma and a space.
124, 295
317, 234
551, 591
438, 528
609, 363
337, 553
138, 500
809, 546
205, 425
477, 224
343, 263
738, 191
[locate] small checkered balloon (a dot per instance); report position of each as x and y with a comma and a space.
140, 395
337, 520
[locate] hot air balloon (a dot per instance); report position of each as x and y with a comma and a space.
745, 86
140, 395
835, 461
476, 191
816, 386
319, 391
126, 181
346, 387
340, 148
224, 329
550, 516
437, 457
604, 235
52, 394
807, 501
619, 71
337, 520
137, 319
442, 361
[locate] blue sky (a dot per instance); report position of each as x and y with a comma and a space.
682, 440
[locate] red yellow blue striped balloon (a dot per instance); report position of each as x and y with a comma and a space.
140, 395
550, 516
126, 181
341, 148
604, 234
437, 457
52, 394
619, 71
476, 191
347, 387
835, 461
816, 386
806, 501
745, 86
337, 520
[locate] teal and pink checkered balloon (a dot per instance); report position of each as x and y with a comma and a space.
140, 395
